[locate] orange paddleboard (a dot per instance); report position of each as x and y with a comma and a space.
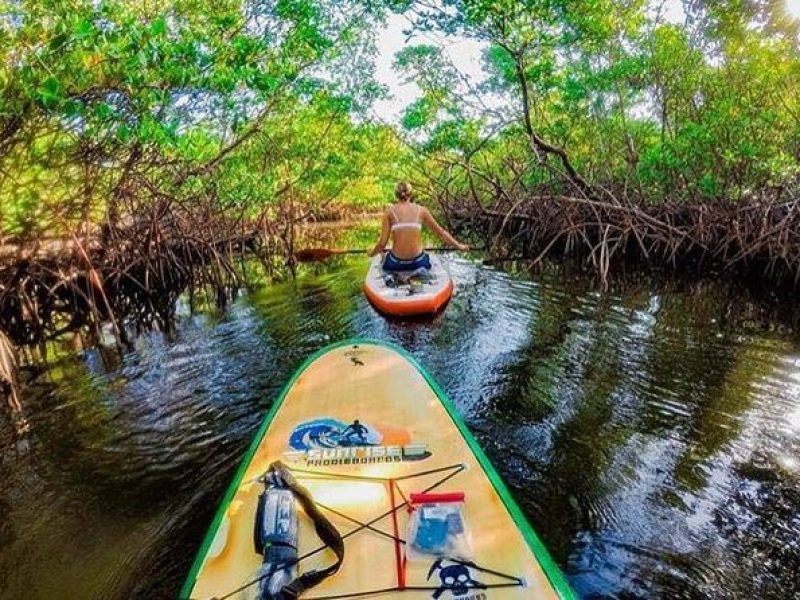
416, 298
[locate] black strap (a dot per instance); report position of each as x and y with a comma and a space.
279, 472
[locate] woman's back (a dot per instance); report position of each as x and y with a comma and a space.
402, 223
405, 220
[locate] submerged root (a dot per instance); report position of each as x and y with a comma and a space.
8, 374
132, 274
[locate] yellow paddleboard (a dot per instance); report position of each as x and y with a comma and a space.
408, 440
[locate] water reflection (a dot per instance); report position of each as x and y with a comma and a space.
650, 432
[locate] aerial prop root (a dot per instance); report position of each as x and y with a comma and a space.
757, 238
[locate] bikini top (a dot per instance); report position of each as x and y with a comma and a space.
396, 224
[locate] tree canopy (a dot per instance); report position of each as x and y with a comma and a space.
104, 105
613, 93
237, 105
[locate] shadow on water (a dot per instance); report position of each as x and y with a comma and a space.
651, 432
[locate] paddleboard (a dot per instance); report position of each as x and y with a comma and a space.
417, 298
408, 440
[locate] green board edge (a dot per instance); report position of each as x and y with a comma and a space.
549, 566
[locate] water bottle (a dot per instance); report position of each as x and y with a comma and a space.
276, 539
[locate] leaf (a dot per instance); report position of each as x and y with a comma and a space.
124, 133
84, 29
49, 92
73, 108
158, 27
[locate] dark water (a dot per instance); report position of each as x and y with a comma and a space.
651, 433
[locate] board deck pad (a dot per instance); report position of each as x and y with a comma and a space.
408, 439
431, 296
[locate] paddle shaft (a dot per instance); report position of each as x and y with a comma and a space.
317, 254
429, 249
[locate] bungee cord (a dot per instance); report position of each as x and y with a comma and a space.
451, 470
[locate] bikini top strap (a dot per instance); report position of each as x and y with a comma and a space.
393, 218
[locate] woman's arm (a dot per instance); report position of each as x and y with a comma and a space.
386, 227
441, 232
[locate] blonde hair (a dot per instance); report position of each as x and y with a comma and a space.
403, 191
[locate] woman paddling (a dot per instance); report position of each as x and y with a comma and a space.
403, 222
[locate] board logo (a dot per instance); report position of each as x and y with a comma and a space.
457, 579
326, 441
330, 433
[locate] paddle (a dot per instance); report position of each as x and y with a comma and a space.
316, 254
319, 254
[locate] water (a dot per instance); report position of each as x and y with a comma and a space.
651, 433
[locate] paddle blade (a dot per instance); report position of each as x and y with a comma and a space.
314, 254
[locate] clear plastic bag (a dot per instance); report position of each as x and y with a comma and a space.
437, 527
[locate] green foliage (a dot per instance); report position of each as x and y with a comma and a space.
231, 104
110, 107
701, 111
